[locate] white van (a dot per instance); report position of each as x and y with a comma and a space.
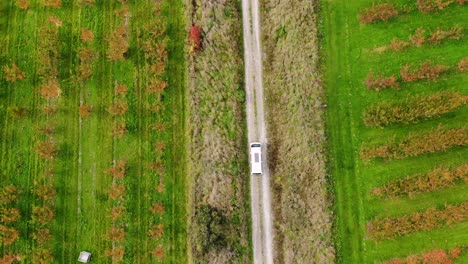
256, 158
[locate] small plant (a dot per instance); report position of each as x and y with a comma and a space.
46, 150
9, 215
418, 38
378, 82
87, 35
53, 3
50, 90
42, 215
13, 73
85, 110
463, 65
118, 170
42, 236
22, 4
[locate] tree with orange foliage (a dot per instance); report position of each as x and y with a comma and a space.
116, 234
155, 85
157, 209
53, 3
116, 213
382, 11
42, 215
57, 22
9, 215
118, 170
379, 82
85, 110
118, 44
8, 235
42, 236
436, 256
119, 107
121, 89
13, 73
8, 194
426, 70
119, 128
116, 254
46, 150
116, 191
86, 35
50, 90
9, 259
158, 253
156, 231
42, 256
45, 192
22, 4
463, 65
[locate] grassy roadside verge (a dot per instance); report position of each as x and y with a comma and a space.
296, 131
219, 217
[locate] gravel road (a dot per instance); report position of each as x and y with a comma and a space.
262, 231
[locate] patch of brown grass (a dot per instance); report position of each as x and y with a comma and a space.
303, 232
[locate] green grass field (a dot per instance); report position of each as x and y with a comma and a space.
348, 58
86, 147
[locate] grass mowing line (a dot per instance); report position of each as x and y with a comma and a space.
347, 195
177, 79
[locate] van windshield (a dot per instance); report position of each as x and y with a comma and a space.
255, 145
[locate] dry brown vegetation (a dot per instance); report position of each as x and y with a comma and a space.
435, 256
419, 38
463, 65
414, 109
379, 82
381, 11
296, 142
390, 227
436, 179
23, 4
13, 73
217, 141
438, 139
427, 70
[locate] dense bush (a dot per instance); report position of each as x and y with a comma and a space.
391, 227
382, 11
208, 226
439, 139
414, 109
436, 179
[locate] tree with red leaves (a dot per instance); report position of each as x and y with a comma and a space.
195, 39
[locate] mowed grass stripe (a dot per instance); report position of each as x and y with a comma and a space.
347, 196
19, 163
176, 165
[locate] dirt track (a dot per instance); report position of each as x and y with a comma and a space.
262, 231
